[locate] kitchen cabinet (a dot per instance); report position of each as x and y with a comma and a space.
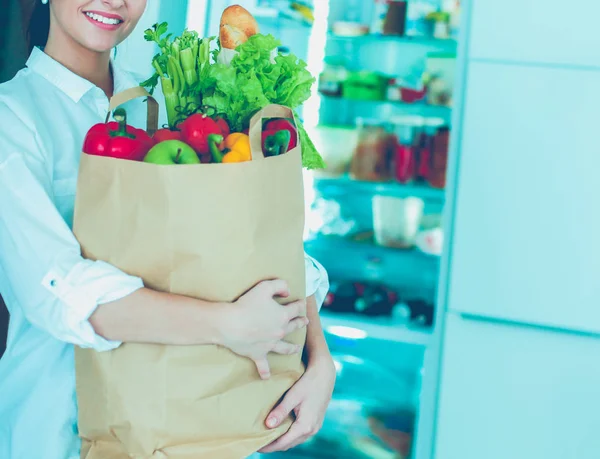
524, 248
536, 31
510, 391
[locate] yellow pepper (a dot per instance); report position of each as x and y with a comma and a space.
231, 140
238, 145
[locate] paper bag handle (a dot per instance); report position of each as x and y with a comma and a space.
135, 93
255, 132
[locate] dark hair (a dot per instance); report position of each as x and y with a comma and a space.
39, 25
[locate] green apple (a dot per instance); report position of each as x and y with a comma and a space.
170, 152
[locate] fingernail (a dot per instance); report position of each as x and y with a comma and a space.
271, 422
298, 349
306, 321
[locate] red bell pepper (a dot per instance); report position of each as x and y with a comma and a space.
118, 140
276, 143
280, 124
195, 131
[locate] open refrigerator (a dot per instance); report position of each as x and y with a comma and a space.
393, 77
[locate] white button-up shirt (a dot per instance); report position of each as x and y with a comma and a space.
50, 290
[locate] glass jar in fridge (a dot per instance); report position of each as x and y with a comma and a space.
396, 221
407, 130
439, 161
372, 156
431, 126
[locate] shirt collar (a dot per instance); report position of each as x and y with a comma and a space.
68, 82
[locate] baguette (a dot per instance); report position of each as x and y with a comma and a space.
237, 25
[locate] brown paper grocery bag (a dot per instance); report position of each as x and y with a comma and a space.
210, 231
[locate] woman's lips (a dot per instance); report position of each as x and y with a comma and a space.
104, 21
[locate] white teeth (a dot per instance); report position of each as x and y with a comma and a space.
102, 19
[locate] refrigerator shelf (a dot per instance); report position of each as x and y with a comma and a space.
332, 186
352, 326
268, 16
411, 272
344, 112
379, 38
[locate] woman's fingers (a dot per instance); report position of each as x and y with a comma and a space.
296, 309
285, 348
289, 403
262, 365
294, 437
277, 288
296, 324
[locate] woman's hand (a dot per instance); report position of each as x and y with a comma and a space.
309, 398
256, 324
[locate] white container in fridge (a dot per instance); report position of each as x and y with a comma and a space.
396, 221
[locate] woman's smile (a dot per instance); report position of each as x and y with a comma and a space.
104, 21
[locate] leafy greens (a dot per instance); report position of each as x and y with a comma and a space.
257, 76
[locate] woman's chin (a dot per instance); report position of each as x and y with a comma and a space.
100, 46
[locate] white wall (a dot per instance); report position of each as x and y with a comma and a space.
196, 15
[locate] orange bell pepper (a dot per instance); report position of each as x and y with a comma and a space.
238, 145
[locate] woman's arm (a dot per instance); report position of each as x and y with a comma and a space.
148, 316
316, 344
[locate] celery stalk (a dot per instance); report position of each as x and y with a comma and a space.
175, 49
171, 100
156, 66
174, 75
204, 53
189, 66
177, 67
195, 49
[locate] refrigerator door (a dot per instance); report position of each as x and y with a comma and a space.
525, 245
540, 31
517, 392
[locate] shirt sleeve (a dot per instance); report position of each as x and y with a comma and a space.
55, 286
317, 280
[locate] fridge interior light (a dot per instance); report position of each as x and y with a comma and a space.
347, 332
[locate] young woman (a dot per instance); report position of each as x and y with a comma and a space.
56, 298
